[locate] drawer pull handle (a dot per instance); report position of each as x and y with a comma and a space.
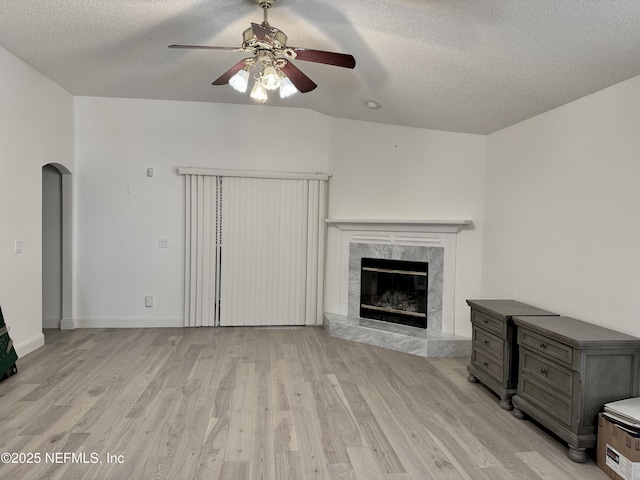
486, 342
543, 345
485, 321
486, 364
544, 371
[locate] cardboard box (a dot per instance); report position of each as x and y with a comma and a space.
618, 453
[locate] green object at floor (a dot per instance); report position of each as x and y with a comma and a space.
8, 354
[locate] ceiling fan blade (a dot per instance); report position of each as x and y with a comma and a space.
328, 58
262, 33
303, 83
203, 47
224, 78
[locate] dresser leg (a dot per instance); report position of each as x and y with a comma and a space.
578, 455
505, 403
472, 379
519, 414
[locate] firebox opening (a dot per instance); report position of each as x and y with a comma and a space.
394, 291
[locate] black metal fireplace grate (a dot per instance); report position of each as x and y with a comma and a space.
394, 291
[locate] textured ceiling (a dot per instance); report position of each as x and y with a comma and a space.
460, 65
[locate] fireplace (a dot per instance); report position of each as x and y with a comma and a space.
431, 242
394, 291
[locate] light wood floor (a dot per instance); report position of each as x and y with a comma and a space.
247, 403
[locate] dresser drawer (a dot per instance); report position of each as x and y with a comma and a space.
552, 402
538, 343
547, 373
492, 366
489, 323
483, 339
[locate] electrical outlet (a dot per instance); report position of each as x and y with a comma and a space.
148, 301
163, 242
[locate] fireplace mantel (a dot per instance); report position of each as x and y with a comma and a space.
423, 226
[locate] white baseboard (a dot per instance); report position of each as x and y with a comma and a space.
127, 322
25, 348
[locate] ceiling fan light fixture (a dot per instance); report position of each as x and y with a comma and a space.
269, 61
259, 92
287, 88
270, 77
240, 81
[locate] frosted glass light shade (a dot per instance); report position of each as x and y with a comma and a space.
270, 78
240, 81
259, 93
287, 88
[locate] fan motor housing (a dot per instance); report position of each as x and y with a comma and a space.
279, 38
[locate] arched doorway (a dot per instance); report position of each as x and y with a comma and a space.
56, 247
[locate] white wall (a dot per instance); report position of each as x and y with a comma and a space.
391, 172
36, 121
121, 213
562, 228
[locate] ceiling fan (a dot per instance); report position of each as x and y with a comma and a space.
271, 61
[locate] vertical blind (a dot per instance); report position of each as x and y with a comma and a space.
202, 260
254, 248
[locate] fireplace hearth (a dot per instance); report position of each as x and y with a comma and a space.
394, 291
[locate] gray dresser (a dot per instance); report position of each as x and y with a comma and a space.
568, 370
494, 352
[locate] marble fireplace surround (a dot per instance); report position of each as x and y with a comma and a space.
432, 241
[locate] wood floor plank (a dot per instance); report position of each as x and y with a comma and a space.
413, 446
332, 445
211, 459
312, 459
156, 468
364, 464
225, 389
250, 403
285, 439
191, 439
235, 470
288, 466
262, 449
455, 436
341, 471
239, 441
45, 420
301, 397
184, 366
547, 468
383, 452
